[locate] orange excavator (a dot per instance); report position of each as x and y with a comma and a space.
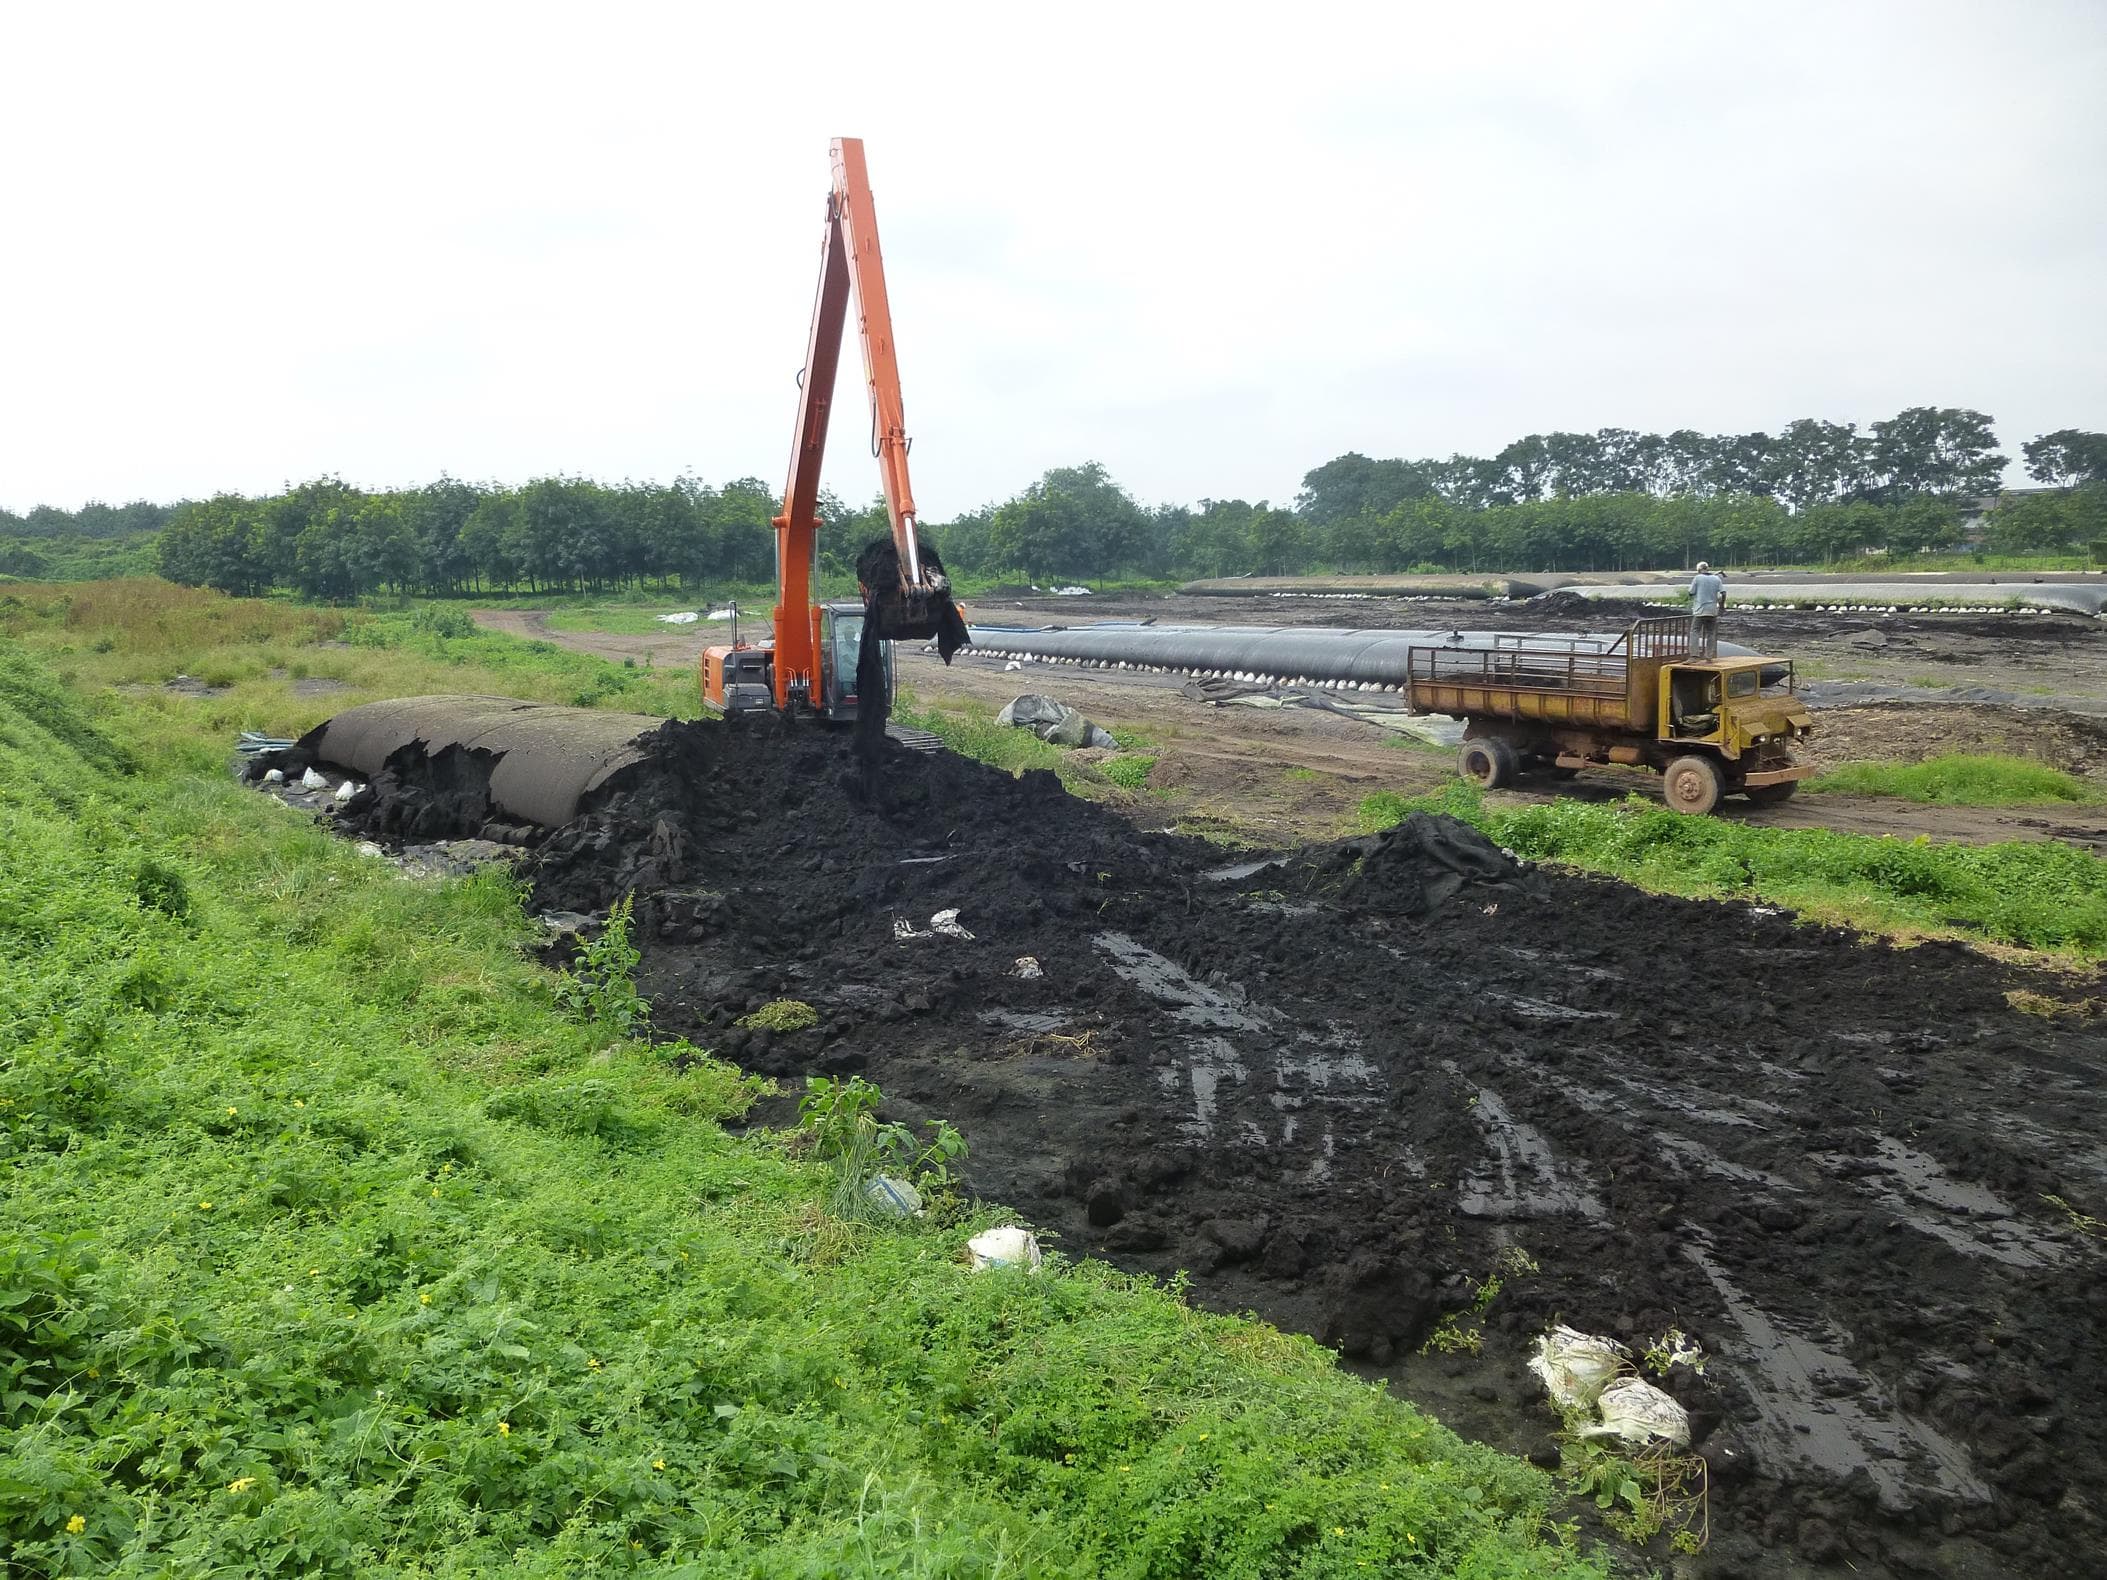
832, 660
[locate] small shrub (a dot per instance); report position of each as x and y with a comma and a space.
162, 888
842, 1118
601, 988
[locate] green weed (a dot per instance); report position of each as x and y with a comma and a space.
784, 1014
1128, 772
2038, 894
1960, 779
601, 988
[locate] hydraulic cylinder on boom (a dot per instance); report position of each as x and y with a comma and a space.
825, 657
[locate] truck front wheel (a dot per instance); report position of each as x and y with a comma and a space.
1490, 764
1693, 785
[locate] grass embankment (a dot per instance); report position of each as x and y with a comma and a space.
1961, 779
283, 668
331, 1244
2037, 894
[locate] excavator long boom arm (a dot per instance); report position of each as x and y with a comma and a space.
903, 596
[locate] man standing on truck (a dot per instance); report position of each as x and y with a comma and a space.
1708, 595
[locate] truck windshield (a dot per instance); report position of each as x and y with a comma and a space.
1742, 683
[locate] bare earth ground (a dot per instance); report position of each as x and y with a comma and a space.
1280, 776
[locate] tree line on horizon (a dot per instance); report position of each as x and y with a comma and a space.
1611, 500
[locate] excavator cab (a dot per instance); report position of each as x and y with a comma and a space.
841, 636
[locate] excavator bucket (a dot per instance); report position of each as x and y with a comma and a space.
899, 611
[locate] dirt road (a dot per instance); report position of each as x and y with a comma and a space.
1286, 775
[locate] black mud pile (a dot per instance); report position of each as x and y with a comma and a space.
1341, 1086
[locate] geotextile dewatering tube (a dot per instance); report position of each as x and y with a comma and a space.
1338, 656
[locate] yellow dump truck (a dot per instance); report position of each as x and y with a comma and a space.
1711, 727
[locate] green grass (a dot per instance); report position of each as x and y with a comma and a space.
968, 727
2039, 894
1961, 779
331, 1244
1129, 771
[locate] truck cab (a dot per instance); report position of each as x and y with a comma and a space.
1742, 714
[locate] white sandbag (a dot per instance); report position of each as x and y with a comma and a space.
1028, 968
1575, 1366
946, 922
313, 781
275, 776
1008, 1246
1638, 1412
346, 791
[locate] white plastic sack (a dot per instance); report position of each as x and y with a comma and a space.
275, 777
313, 781
1575, 1366
346, 791
1008, 1246
1638, 1412
946, 922
903, 929
686, 617
1028, 967
893, 1197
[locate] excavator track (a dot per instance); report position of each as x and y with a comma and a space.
915, 740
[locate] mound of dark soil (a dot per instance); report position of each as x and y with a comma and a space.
1343, 1088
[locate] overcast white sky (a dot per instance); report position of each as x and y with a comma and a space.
1211, 246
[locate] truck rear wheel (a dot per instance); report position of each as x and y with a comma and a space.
1490, 764
1693, 785
1771, 795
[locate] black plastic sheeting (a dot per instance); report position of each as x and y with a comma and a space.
550, 757
1323, 655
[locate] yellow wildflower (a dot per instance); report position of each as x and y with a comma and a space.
1203, 1437
658, 1464
435, 1190
76, 1525
230, 1113
592, 1363
204, 1206
1338, 1530
504, 1429
241, 1484
297, 1103
424, 1300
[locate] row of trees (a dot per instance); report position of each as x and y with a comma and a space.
325, 539
1605, 501
1077, 518
1926, 451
